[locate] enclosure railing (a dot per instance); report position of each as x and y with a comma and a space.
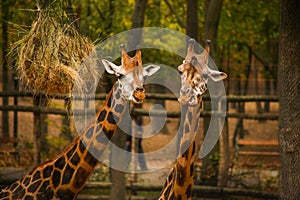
198, 191
38, 110
219, 111
151, 96
142, 112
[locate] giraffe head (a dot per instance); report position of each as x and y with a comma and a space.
131, 75
195, 74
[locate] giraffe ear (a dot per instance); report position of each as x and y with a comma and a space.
150, 70
110, 67
181, 67
216, 75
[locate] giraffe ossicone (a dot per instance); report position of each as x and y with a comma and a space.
195, 74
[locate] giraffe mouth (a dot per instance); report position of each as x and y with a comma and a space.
136, 100
193, 101
138, 97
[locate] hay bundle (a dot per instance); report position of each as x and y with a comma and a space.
50, 56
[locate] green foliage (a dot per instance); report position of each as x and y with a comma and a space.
252, 24
101, 19
242, 24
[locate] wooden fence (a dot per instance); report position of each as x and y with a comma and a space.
151, 96
39, 110
15, 108
154, 190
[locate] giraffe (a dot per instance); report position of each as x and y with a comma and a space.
194, 72
64, 176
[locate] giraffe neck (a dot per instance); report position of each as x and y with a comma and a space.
101, 131
179, 182
65, 176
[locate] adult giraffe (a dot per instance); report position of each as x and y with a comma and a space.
64, 176
194, 77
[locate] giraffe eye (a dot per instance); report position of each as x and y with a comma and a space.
205, 76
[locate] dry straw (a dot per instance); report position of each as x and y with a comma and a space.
54, 58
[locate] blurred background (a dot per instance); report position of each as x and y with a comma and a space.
245, 40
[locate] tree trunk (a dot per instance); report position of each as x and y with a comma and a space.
289, 84
210, 166
257, 86
212, 17
225, 152
267, 93
66, 122
5, 19
210, 163
239, 129
118, 187
40, 128
137, 22
109, 23
118, 177
192, 19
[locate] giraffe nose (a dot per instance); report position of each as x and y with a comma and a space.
140, 89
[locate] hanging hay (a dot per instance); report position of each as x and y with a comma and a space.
50, 56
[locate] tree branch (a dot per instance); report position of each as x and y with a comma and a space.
180, 22
98, 10
263, 62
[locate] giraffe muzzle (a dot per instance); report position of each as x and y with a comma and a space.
139, 95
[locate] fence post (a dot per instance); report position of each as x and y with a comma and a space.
40, 127
210, 163
16, 88
225, 153
66, 124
